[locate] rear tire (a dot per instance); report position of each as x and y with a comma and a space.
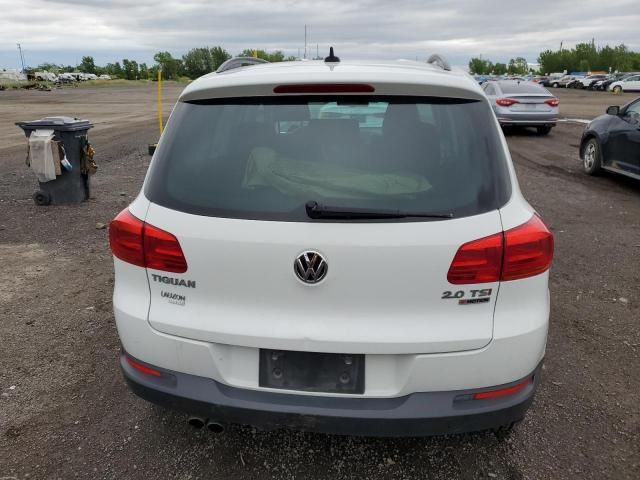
543, 130
617, 89
555, 85
592, 160
41, 198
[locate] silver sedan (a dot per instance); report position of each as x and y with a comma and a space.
520, 103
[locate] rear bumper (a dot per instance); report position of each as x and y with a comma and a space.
417, 414
528, 123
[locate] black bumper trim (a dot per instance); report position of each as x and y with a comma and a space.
409, 416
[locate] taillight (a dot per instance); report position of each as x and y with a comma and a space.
125, 238
552, 102
479, 261
521, 252
139, 243
506, 102
528, 250
325, 88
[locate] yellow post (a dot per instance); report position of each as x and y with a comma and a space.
160, 99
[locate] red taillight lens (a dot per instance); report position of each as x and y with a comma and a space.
503, 392
162, 251
479, 261
506, 102
518, 253
143, 368
125, 238
325, 88
528, 250
139, 243
552, 102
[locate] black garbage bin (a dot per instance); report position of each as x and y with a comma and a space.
71, 186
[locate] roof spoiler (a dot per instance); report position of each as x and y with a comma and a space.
238, 62
439, 61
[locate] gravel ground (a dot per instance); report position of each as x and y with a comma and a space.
66, 413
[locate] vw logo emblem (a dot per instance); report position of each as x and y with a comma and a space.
310, 267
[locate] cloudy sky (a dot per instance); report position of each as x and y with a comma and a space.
62, 31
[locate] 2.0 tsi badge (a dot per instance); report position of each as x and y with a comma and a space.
310, 267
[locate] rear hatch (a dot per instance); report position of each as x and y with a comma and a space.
402, 183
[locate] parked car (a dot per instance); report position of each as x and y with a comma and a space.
603, 84
563, 81
330, 277
550, 80
589, 82
614, 78
627, 84
45, 76
612, 141
105, 77
574, 82
524, 104
66, 78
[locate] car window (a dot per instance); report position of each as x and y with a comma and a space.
633, 79
264, 158
509, 88
633, 112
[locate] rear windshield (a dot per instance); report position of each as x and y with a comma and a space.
265, 158
509, 88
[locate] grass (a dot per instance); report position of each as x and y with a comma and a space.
16, 84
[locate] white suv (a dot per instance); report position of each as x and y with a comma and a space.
334, 246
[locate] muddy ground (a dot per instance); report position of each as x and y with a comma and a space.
66, 413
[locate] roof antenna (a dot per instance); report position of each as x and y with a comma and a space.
331, 58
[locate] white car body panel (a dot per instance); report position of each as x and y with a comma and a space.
247, 296
382, 293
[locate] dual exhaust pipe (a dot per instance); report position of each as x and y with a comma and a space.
212, 425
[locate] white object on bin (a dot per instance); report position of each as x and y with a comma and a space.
40, 156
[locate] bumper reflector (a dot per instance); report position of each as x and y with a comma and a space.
143, 368
503, 392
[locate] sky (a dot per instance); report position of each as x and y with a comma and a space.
62, 31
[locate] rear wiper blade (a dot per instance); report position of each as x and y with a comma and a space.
317, 211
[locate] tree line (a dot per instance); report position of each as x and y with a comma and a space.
584, 57
193, 64
516, 66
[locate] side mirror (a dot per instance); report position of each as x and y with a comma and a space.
614, 110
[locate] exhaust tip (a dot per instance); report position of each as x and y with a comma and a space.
215, 427
196, 422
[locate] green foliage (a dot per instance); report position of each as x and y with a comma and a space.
143, 72
113, 69
518, 66
172, 68
276, 56
500, 68
479, 66
200, 61
587, 57
130, 69
87, 65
